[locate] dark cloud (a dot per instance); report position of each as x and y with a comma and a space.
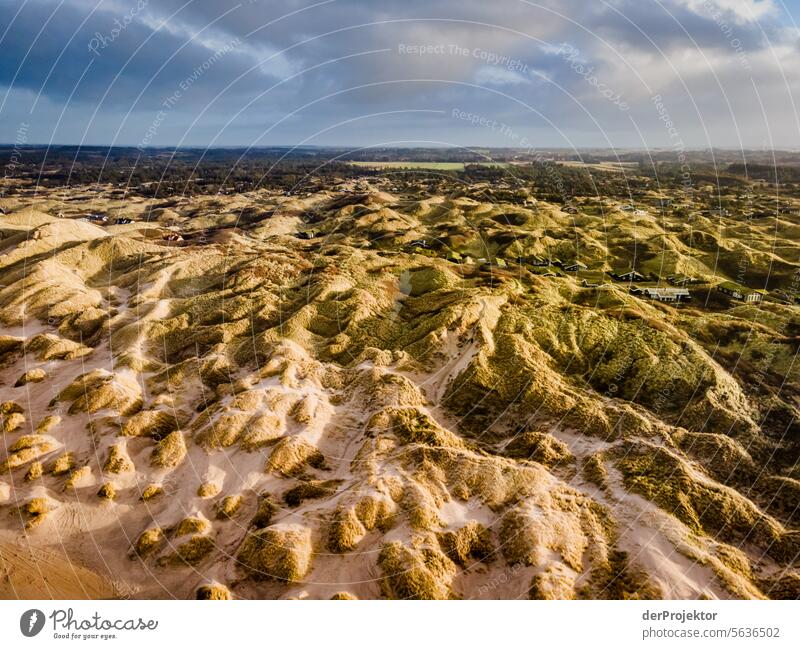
341, 71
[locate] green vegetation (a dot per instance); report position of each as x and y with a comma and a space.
386, 365
440, 166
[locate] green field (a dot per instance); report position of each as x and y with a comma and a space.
439, 166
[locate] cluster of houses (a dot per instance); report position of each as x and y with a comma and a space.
676, 293
103, 218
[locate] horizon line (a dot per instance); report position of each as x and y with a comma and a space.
466, 148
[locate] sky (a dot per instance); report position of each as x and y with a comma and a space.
677, 74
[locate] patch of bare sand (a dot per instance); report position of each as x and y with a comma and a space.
27, 572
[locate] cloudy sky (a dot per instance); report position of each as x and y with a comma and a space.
546, 73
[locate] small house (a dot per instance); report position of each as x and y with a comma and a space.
574, 266
593, 282
123, 221
537, 261
666, 294
681, 280
741, 293
627, 276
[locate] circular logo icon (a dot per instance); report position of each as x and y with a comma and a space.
31, 622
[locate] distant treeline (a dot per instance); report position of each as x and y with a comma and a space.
770, 173
164, 172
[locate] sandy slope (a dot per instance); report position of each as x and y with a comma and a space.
29, 572
327, 417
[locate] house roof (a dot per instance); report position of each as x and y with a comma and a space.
744, 290
666, 291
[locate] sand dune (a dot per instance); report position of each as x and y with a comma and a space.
244, 412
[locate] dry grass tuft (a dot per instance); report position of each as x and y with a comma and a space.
151, 491
343, 595
264, 512
35, 471
12, 421
48, 423
414, 574
310, 490
25, 449
539, 447
191, 525
208, 489
195, 550
280, 553
228, 507
213, 591
471, 543
152, 423
99, 390
81, 477
62, 465
345, 531
292, 455
170, 451
36, 375
107, 491
10, 408
35, 511
148, 542
117, 461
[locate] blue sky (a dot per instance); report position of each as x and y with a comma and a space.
567, 73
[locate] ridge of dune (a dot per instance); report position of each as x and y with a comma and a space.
297, 416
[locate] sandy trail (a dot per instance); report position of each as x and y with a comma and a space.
27, 572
